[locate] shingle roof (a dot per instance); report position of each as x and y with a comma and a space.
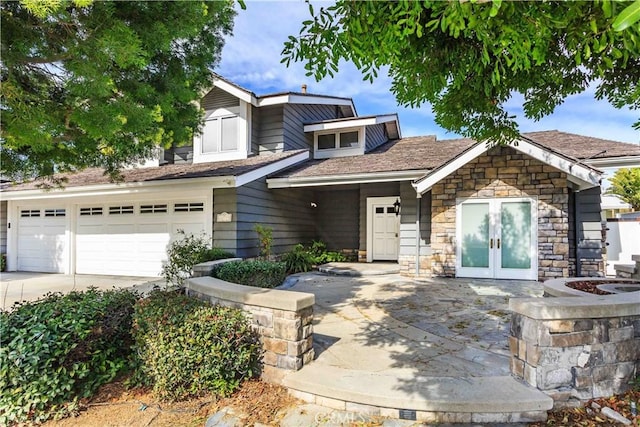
425, 153
583, 147
96, 176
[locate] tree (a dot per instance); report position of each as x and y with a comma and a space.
625, 184
102, 83
467, 58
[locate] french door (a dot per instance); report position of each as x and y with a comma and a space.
497, 238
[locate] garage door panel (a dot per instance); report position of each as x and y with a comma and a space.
132, 244
41, 239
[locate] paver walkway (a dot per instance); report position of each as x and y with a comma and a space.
436, 345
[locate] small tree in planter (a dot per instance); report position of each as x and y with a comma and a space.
265, 239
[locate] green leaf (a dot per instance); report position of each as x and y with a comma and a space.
628, 17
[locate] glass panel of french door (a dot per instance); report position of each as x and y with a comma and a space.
475, 235
515, 235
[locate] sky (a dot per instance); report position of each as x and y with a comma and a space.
251, 58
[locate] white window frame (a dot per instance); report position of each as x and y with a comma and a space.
339, 151
243, 115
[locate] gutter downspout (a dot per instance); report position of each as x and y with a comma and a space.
418, 203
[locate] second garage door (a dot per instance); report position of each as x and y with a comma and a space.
132, 239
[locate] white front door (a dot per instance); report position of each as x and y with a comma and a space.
383, 226
497, 238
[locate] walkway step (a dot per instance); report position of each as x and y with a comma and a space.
480, 399
359, 269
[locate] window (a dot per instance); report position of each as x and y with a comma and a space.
338, 143
120, 210
188, 207
90, 211
226, 134
328, 141
220, 134
146, 209
27, 213
55, 212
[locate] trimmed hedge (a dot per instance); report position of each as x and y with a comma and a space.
258, 273
185, 347
59, 349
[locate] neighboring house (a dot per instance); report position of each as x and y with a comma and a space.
309, 167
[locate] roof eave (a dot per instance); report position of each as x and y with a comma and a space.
225, 181
582, 175
344, 179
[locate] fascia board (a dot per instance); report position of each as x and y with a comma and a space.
270, 168
367, 178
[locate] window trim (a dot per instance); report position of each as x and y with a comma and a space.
337, 151
243, 135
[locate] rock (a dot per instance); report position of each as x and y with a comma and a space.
616, 416
595, 406
223, 418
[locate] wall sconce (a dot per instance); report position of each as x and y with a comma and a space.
396, 207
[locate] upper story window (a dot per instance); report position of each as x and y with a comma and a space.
338, 143
224, 135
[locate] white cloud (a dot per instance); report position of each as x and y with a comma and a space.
251, 58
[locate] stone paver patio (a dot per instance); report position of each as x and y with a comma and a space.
438, 346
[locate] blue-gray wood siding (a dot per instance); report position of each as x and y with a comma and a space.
218, 98
270, 136
376, 135
385, 189
338, 218
255, 129
588, 219
293, 121
288, 212
408, 211
3, 227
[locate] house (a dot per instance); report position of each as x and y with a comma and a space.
309, 166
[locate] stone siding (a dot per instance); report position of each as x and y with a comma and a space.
284, 320
407, 265
504, 172
575, 349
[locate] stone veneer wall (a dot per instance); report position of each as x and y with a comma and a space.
407, 265
576, 348
504, 172
284, 320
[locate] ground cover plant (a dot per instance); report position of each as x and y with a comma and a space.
303, 258
185, 347
59, 349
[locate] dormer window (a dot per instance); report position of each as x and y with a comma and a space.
224, 135
338, 143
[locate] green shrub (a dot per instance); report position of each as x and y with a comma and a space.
185, 347
258, 273
298, 260
59, 349
183, 254
214, 254
3, 262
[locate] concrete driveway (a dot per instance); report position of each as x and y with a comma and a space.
23, 286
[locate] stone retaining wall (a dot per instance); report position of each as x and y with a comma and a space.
284, 320
576, 348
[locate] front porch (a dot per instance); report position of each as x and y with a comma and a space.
435, 349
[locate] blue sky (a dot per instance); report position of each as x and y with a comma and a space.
251, 58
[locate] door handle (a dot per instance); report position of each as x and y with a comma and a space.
490, 243
498, 243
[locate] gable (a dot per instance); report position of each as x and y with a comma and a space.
580, 175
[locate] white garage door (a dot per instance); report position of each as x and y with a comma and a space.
131, 239
41, 239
